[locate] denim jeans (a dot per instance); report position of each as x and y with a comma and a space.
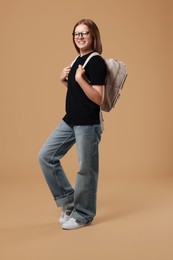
84, 193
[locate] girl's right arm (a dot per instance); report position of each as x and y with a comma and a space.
64, 75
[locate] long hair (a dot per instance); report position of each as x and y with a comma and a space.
97, 45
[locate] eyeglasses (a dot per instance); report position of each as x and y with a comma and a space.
77, 34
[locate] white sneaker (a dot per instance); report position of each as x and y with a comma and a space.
66, 212
72, 223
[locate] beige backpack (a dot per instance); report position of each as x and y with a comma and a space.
116, 76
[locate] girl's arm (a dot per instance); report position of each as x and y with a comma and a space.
64, 75
94, 93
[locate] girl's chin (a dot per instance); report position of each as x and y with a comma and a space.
84, 49
81, 47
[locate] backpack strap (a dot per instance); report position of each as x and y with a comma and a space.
85, 63
73, 61
100, 114
89, 57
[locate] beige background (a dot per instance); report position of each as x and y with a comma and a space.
135, 196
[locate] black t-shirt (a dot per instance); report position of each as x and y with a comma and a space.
80, 110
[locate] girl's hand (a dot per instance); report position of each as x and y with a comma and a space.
79, 73
64, 74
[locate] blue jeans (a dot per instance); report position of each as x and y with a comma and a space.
87, 140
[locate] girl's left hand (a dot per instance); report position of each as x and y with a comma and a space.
79, 73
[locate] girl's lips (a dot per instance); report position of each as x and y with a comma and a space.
81, 42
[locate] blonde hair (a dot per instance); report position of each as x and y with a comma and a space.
97, 45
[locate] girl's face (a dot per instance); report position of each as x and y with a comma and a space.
83, 38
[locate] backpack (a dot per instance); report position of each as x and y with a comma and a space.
116, 76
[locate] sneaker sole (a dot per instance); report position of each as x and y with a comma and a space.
77, 227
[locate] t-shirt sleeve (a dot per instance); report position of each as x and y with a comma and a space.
97, 70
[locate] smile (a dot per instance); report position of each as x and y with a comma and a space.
81, 42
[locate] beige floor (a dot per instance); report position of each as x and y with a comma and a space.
134, 222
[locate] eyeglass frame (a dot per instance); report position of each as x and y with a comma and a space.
84, 34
